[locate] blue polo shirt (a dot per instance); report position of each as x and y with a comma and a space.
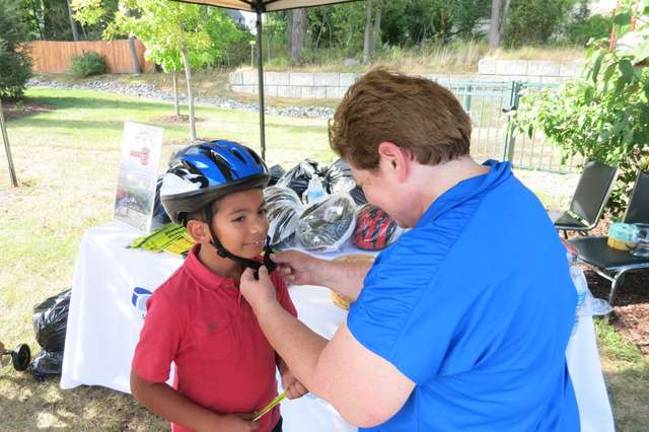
475, 304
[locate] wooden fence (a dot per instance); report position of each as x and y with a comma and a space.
55, 56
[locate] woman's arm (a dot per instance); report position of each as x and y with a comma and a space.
302, 269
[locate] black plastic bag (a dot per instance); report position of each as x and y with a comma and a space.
50, 321
47, 364
297, 178
276, 172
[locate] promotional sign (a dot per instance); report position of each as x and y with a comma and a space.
138, 170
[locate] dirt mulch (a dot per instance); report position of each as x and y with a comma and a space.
633, 322
630, 314
174, 119
15, 110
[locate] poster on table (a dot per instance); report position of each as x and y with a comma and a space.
138, 171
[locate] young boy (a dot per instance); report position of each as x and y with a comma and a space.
225, 367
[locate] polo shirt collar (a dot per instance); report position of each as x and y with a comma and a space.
498, 173
203, 275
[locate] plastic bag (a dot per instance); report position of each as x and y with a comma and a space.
276, 172
358, 196
283, 210
47, 364
50, 321
587, 305
297, 178
338, 177
160, 216
327, 225
375, 229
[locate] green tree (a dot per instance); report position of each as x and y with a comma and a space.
177, 35
412, 22
535, 21
604, 115
15, 63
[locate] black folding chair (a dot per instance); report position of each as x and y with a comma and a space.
610, 263
589, 199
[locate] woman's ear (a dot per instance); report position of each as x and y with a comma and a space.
394, 160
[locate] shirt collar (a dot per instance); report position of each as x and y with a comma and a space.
203, 275
467, 189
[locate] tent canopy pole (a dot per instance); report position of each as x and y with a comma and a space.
5, 139
260, 69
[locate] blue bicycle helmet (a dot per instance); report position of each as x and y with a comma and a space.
202, 173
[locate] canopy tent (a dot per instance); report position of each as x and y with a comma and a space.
259, 7
5, 139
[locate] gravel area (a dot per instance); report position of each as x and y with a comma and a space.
555, 190
150, 91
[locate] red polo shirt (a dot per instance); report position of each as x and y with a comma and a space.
199, 320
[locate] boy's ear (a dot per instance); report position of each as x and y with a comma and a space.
198, 231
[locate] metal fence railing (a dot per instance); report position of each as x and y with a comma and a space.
489, 104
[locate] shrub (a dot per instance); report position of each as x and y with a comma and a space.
16, 69
86, 64
594, 27
15, 63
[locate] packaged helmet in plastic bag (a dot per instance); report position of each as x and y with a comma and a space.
283, 210
327, 224
160, 216
297, 178
339, 177
375, 229
358, 195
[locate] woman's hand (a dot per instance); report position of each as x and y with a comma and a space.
297, 268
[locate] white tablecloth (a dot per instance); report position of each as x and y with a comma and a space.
104, 326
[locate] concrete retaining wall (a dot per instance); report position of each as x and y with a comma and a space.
333, 85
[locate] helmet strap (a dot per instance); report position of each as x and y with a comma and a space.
243, 262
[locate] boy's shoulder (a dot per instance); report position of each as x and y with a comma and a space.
175, 283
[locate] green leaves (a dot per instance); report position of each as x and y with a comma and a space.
627, 70
622, 19
604, 116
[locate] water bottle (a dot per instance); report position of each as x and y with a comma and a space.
315, 192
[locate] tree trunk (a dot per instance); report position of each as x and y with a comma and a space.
297, 33
38, 16
137, 68
367, 46
190, 95
376, 31
494, 27
73, 24
174, 78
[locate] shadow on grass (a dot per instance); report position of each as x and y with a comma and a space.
94, 126
629, 398
30, 405
101, 101
20, 410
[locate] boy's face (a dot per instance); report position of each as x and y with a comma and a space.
240, 223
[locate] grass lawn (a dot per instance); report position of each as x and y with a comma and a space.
66, 160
